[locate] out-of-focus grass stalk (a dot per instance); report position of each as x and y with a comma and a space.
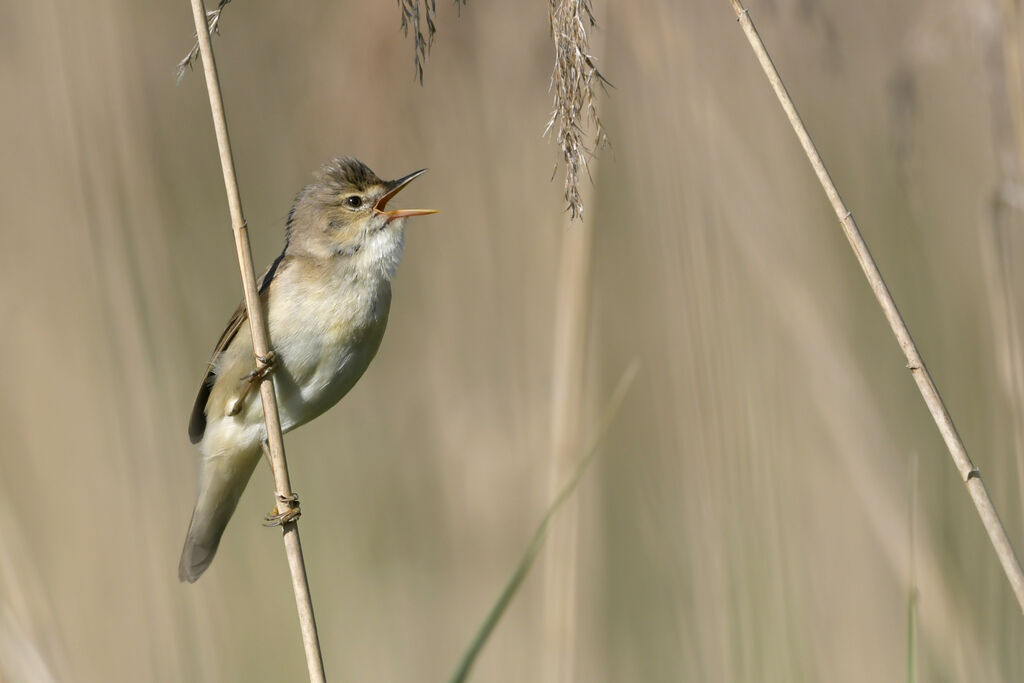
575, 107
1005, 223
1012, 69
969, 473
1007, 215
912, 578
537, 540
572, 320
29, 650
261, 351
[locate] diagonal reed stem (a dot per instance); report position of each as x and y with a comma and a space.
968, 472
261, 349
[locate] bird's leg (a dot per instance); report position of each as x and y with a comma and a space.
287, 510
264, 366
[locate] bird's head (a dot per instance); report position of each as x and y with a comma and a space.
344, 214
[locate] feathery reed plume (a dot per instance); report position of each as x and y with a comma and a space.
421, 42
212, 27
573, 80
968, 472
261, 350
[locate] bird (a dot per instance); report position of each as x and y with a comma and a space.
326, 300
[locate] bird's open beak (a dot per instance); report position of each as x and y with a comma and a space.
394, 187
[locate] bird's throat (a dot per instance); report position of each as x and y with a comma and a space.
381, 251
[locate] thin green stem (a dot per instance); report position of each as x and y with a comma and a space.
537, 540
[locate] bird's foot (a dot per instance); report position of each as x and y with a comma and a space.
287, 510
264, 366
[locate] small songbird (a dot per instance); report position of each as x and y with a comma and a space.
326, 298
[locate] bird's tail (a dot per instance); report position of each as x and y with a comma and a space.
221, 482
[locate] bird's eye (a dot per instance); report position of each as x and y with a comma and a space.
355, 201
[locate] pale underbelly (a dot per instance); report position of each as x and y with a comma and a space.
320, 358
304, 392
318, 386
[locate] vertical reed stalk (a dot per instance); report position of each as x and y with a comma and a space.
968, 472
912, 578
1011, 67
1006, 216
261, 349
575, 111
572, 318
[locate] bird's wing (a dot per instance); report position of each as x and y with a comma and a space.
197, 422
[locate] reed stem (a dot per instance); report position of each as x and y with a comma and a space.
968, 472
261, 349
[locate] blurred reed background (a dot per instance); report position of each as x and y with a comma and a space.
749, 519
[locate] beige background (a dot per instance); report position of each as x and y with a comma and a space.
750, 517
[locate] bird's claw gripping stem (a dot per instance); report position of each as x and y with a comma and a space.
287, 510
264, 366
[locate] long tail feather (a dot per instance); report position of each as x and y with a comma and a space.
222, 480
